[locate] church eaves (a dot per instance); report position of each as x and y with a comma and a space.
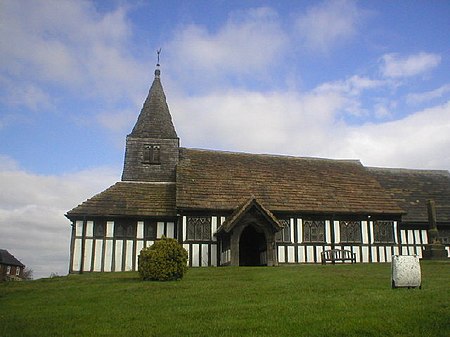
155, 120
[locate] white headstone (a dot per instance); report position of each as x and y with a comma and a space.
406, 271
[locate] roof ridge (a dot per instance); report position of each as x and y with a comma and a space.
408, 170
269, 155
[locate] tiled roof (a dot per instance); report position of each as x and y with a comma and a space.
8, 259
155, 120
130, 199
223, 180
412, 189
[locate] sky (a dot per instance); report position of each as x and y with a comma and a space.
365, 80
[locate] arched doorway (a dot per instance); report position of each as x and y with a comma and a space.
252, 247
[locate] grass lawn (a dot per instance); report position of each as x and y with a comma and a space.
302, 300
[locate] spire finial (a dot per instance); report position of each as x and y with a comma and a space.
157, 71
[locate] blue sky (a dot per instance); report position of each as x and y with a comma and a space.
364, 80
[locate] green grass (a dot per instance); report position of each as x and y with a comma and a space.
304, 300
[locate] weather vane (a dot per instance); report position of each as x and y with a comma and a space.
158, 52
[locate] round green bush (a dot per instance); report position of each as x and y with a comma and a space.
165, 260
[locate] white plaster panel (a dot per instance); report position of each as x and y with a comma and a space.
396, 251
291, 257
213, 228
98, 255
159, 229
186, 246
205, 257
149, 243
411, 250
76, 265
381, 257
292, 224
406, 271
417, 236
78, 228
109, 229
404, 250
328, 225
139, 247
108, 255
319, 250
214, 255
119, 255
357, 254
184, 228
171, 230
424, 237
388, 256
310, 253
87, 255
371, 232
337, 232
140, 230
129, 255
403, 237
410, 237
299, 230
281, 257
374, 254
364, 232
195, 255
301, 254
90, 228
222, 219
365, 254
395, 232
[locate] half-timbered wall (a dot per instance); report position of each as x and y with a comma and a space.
104, 246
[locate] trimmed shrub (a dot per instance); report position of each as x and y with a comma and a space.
165, 260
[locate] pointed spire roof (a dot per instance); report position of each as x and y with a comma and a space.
155, 120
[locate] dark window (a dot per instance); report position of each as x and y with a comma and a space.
284, 235
198, 228
99, 228
350, 231
150, 230
152, 154
313, 231
383, 231
124, 229
444, 235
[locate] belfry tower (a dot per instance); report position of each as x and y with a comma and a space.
152, 147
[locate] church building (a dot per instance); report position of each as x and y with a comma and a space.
239, 209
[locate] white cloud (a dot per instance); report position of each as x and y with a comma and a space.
395, 66
329, 23
417, 98
70, 45
247, 43
32, 208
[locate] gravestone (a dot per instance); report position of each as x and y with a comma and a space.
434, 250
406, 271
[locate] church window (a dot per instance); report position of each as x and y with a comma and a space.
8, 270
284, 235
17, 271
152, 154
313, 231
383, 231
99, 228
123, 229
150, 230
350, 231
198, 228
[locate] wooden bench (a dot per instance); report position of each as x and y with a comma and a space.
333, 255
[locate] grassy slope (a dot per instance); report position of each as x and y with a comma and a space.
308, 300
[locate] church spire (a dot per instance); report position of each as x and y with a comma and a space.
155, 120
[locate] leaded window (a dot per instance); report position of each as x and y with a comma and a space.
150, 230
313, 231
350, 231
99, 228
124, 229
383, 231
198, 228
284, 235
152, 154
